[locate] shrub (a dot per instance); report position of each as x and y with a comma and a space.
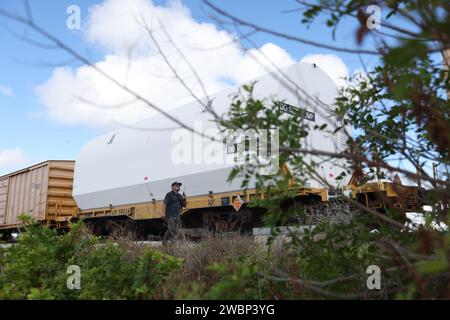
196, 273
35, 268
330, 261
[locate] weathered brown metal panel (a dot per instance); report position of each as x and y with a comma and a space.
3, 199
26, 184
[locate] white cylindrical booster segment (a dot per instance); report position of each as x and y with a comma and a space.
128, 166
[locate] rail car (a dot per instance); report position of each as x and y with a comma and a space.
44, 192
121, 177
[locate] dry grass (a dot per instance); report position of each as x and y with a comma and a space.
198, 256
211, 249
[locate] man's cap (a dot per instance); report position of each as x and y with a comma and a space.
178, 183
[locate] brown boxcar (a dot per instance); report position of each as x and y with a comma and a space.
43, 191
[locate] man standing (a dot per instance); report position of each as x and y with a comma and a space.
173, 202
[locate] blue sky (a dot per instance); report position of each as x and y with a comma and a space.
33, 126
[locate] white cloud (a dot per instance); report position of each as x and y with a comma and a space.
131, 57
332, 65
6, 90
11, 158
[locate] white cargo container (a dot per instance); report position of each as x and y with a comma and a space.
129, 166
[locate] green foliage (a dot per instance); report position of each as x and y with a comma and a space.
329, 261
35, 268
238, 281
400, 116
236, 277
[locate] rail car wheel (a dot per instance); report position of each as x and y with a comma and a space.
122, 229
116, 228
7, 236
218, 222
313, 211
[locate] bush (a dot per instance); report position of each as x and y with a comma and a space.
196, 274
35, 268
330, 261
